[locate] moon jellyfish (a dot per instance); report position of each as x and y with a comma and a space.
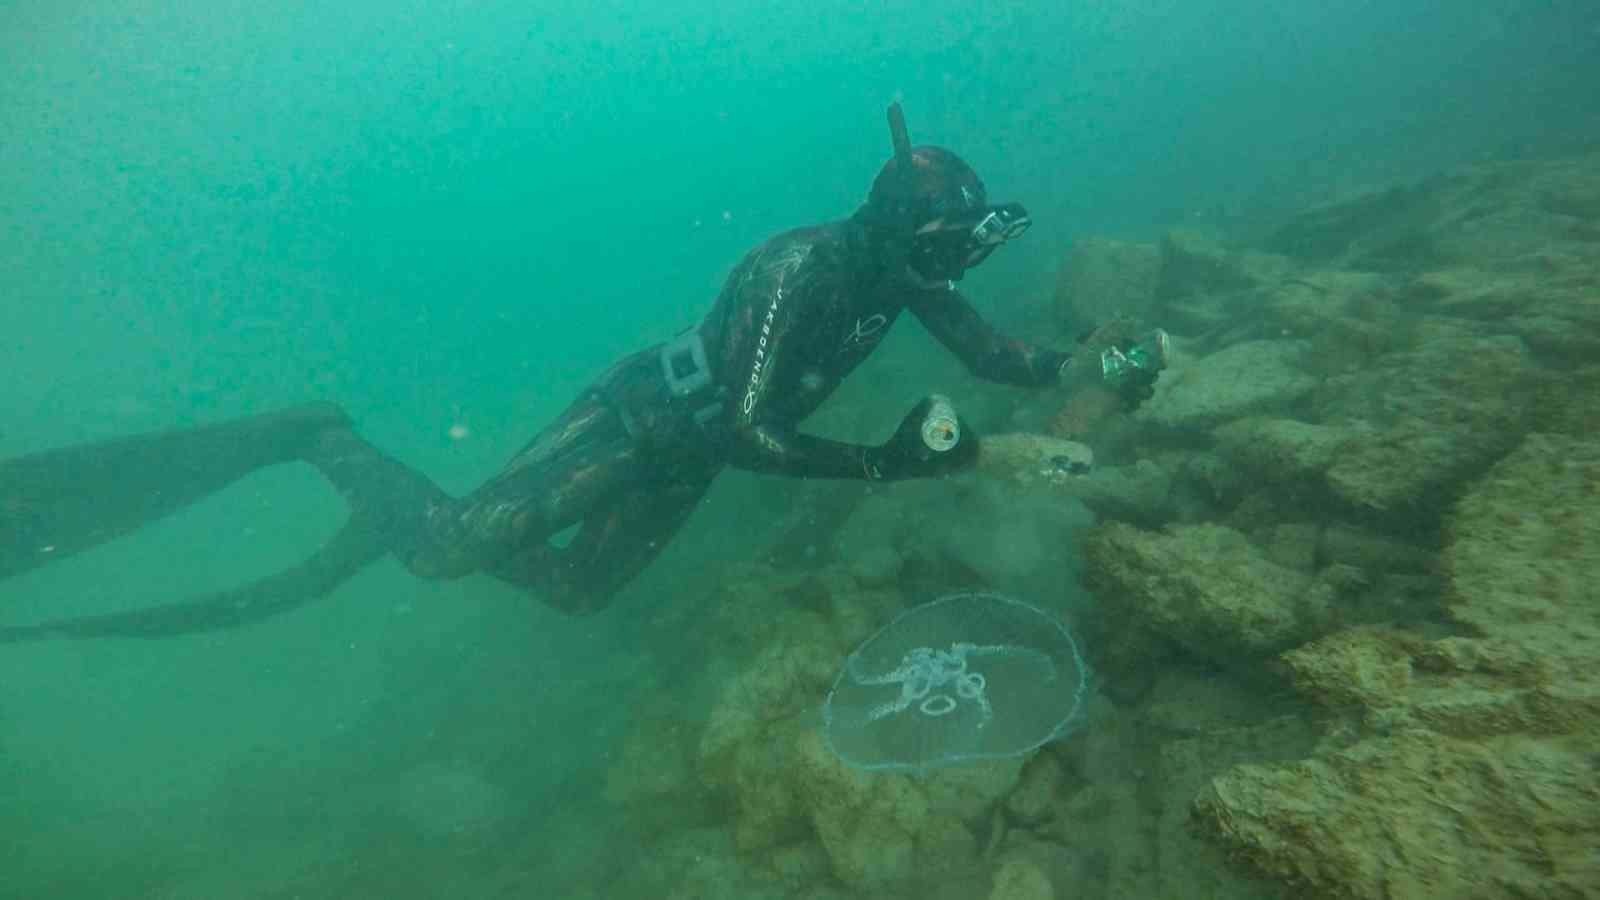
966, 677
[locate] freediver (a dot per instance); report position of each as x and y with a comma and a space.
629, 459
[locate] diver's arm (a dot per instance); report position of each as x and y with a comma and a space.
987, 353
761, 435
907, 454
785, 451
763, 443
777, 284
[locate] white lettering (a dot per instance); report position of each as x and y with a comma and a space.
866, 329
784, 265
749, 402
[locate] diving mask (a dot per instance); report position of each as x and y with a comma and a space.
943, 250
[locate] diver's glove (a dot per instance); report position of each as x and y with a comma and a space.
1131, 367
1127, 366
931, 441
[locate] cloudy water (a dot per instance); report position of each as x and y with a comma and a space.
279, 281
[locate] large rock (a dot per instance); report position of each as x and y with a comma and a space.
1194, 264
1432, 417
1188, 282
1475, 214
1102, 279
1569, 405
1549, 301
1288, 451
753, 733
888, 834
1206, 588
1523, 561
1418, 815
1473, 774
1397, 439
1044, 465
1250, 378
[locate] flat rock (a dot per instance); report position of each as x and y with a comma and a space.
1287, 450
1428, 419
1206, 588
1249, 378
1048, 465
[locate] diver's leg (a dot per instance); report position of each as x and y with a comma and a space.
587, 468
572, 466
613, 545
59, 502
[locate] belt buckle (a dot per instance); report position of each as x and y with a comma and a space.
688, 376
683, 363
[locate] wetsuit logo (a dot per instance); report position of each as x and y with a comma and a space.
866, 329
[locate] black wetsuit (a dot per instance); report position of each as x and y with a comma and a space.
626, 462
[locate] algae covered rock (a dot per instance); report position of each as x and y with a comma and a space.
1548, 300
1418, 815
1138, 492
1019, 879
752, 734
1035, 797
1101, 279
1194, 263
1208, 589
1524, 558
1031, 459
1186, 282
1244, 379
1476, 775
1488, 212
886, 833
1287, 451
1044, 464
1393, 441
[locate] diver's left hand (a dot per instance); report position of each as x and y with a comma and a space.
909, 453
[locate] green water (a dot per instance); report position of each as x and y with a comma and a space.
448, 217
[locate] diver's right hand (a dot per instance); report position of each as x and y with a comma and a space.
1131, 367
1113, 357
931, 441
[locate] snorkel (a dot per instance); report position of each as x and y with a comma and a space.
929, 206
901, 139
